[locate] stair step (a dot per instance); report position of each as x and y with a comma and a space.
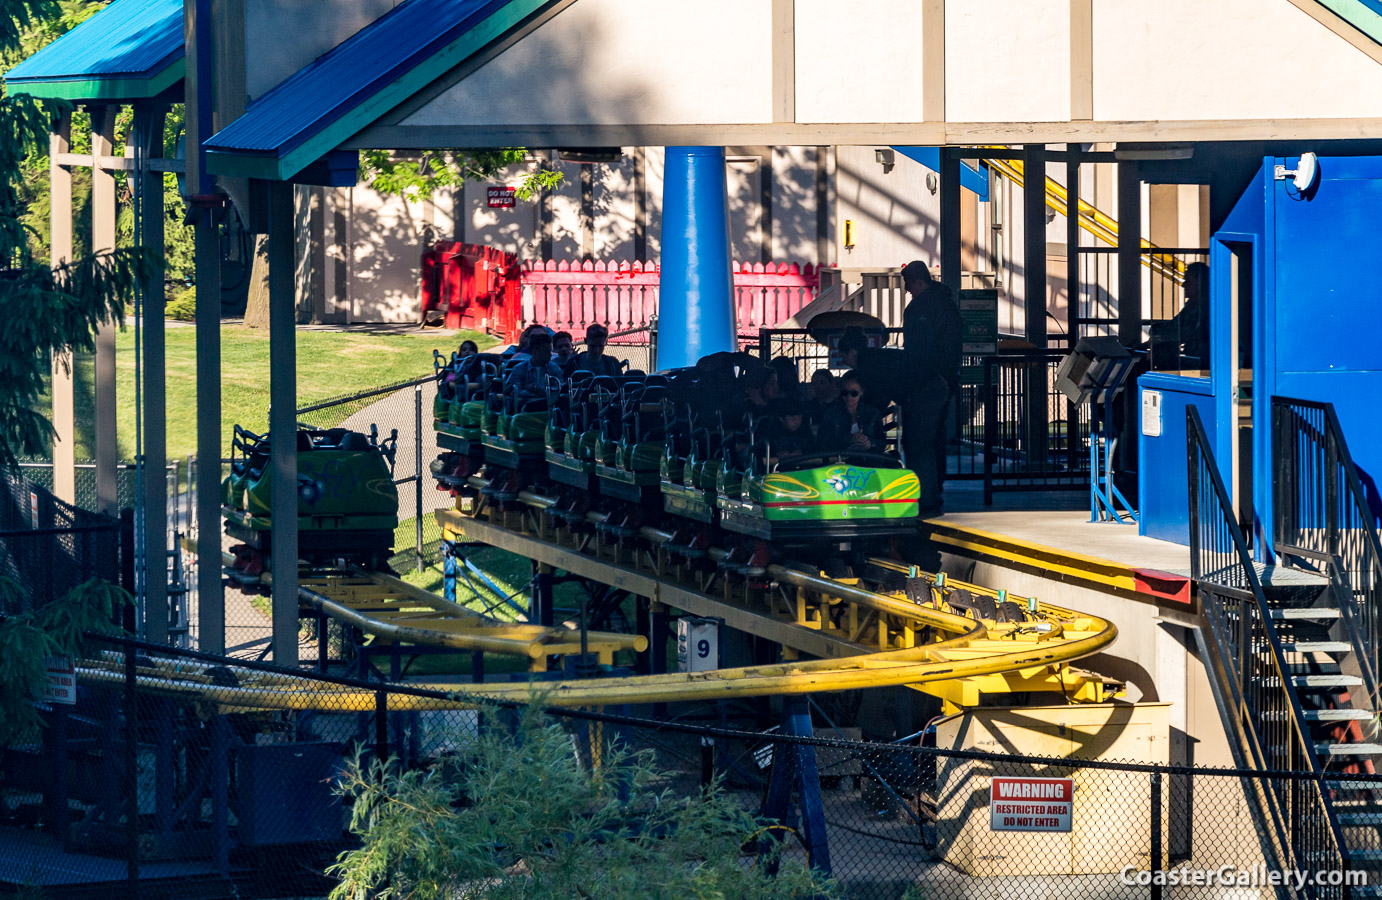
1326, 748
1362, 856
1351, 783
1317, 646
1288, 577
1360, 818
1337, 715
1325, 681
1305, 612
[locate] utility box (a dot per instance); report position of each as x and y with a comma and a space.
698, 643
286, 793
1110, 812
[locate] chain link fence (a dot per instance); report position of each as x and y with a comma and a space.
177, 774
49, 547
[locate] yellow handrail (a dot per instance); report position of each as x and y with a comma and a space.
1091, 219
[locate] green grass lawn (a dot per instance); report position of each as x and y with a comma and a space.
330, 364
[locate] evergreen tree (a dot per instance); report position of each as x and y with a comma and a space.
48, 310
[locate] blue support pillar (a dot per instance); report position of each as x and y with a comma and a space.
696, 303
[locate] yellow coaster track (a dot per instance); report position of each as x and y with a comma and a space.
864, 638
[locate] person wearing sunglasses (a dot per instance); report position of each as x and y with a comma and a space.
852, 424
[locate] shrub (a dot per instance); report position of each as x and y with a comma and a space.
519, 815
184, 306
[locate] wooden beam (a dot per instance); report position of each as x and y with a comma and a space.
103, 238
116, 163
1340, 26
932, 61
864, 134
63, 390
1081, 60
784, 49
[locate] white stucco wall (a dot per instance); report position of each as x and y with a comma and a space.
282, 36
623, 61
895, 215
1007, 61
1229, 59
358, 257
862, 67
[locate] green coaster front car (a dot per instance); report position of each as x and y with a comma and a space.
347, 503
836, 497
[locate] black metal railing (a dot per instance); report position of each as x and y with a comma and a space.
1033, 437
1096, 310
1322, 515
1264, 707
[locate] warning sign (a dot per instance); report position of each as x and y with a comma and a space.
501, 197
61, 686
1031, 804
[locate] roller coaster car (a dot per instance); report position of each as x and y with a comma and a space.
347, 501
515, 428
689, 470
835, 496
456, 418
573, 409
629, 457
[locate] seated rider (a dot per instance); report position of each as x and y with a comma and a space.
563, 352
789, 436
823, 392
851, 424
527, 379
593, 358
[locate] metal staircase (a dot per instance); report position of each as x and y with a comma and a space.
1293, 665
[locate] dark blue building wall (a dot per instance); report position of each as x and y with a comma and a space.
1320, 334
1316, 323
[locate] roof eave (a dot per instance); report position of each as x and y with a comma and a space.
123, 87
243, 164
292, 158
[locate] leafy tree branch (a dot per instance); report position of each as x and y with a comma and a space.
417, 176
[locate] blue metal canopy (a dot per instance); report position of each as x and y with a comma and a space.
130, 50
971, 176
313, 111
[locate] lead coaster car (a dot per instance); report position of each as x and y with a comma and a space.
830, 496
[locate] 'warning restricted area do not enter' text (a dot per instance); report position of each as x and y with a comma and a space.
1031, 804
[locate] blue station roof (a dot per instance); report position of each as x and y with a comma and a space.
316, 109
130, 50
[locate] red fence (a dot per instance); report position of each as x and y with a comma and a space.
569, 296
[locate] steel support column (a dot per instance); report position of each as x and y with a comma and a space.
696, 301
951, 238
148, 129
1034, 242
211, 606
283, 424
1129, 254
1072, 242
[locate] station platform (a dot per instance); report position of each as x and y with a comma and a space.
1049, 534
